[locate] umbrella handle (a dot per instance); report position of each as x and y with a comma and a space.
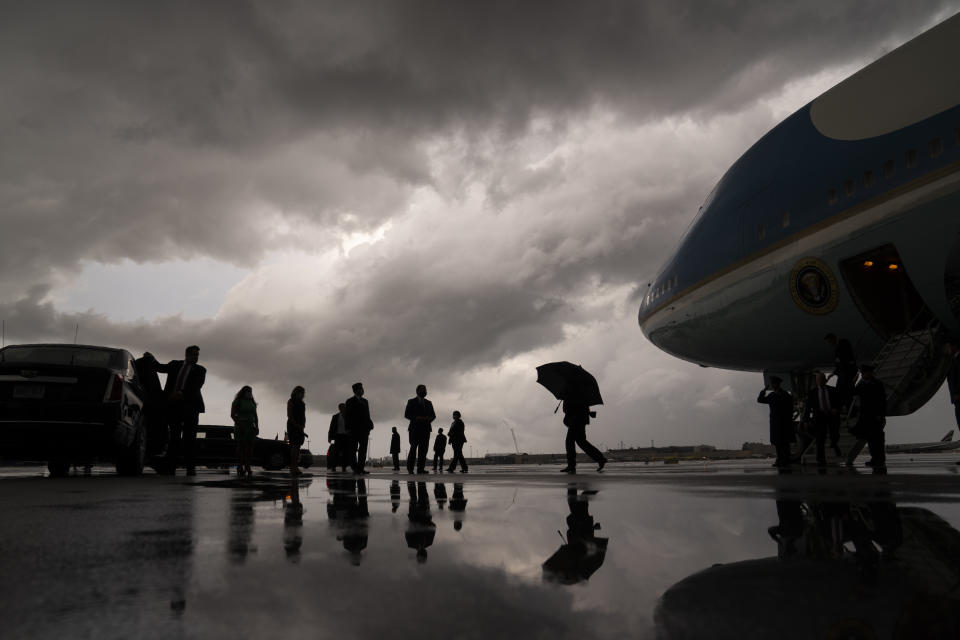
558, 406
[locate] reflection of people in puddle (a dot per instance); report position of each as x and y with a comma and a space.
822, 530
421, 529
845, 568
458, 505
394, 496
583, 552
293, 522
241, 527
348, 513
440, 494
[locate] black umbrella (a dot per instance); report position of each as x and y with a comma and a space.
576, 561
568, 381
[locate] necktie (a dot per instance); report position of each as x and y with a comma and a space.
182, 378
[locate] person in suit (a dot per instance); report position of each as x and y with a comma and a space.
439, 448
457, 439
822, 417
296, 426
155, 404
873, 416
420, 413
359, 424
782, 433
845, 368
576, 415
395, 449
183, 386
340, 437
953, 376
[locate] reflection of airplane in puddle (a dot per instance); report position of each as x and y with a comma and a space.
857, 570
946, 444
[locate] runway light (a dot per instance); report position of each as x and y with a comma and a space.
893, 266
868, 263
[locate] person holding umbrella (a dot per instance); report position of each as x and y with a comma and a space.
577, 390
576, 415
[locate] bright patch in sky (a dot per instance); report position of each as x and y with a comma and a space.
128, 291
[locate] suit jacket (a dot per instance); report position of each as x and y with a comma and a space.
873, 403
575, 414
846, 362
953, 377
415, 410
192, 397
455, 434
440, 443
149, 380
781, 414
815, 412
357, 415
334, 423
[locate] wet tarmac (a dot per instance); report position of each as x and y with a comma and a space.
678, 551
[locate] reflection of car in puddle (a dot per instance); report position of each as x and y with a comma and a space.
582, 552
843, 570
216, 447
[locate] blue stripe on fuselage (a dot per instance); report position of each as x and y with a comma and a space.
791, 170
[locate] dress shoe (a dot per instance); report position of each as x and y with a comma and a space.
568, 470
602, 464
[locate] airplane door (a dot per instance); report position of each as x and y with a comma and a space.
880, 286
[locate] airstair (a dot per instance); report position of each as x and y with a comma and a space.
911, 367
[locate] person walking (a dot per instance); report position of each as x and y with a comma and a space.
359, 424
340, 440
296, 426
439, 447
845, 368
419, 412
822, 417
457, 439
873, 416
782, 433
576, 415
243, 411
395, 449
185, 379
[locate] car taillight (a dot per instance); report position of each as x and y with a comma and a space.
115, 390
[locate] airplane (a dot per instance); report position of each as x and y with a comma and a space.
845, 219
946, 444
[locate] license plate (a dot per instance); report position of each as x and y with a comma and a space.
28, 391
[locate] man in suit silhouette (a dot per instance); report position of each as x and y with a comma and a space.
822, 416
395, 449
873, 416
845, 368
781, 419
359, 424
420, 413
185, 379
342, 442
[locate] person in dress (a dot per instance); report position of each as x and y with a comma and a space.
245, 428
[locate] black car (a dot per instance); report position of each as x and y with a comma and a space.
68, 404
216, 447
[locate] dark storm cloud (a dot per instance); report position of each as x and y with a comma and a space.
146, 130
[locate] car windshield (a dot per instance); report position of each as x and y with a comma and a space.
82, 356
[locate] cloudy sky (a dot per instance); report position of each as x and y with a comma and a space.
440, 192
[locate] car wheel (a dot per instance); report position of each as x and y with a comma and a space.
130, 461
273, 462
58, 468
